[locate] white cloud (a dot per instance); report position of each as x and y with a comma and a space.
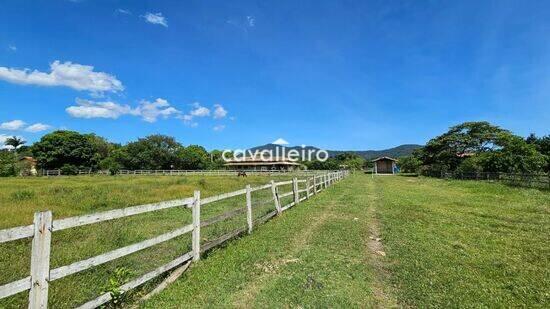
37, 127
123, 11
92, 109
12, 125
280, 141
156, 18
13, 48
73, 75
148, 111
219, 111
199, 111
219, 128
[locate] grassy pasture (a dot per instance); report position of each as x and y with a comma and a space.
447, 243
71, 196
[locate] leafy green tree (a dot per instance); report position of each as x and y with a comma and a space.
153, 152
8, 163
194, 157
60, 148
216, 160
409, 164
491, 148
542, 145
329, 164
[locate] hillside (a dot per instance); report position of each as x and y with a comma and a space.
395, 152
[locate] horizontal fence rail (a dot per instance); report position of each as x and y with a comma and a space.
59, 172
37, 283
516, 179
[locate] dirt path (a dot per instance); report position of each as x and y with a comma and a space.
377, 254
245, 298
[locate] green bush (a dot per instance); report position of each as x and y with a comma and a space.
8, 164
69, 169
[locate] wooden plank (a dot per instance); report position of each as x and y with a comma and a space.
266, 217
104, 298
282, 183
249, 208
286, 194
215, 198
15, 287
223, 216
261, 187
288, 206
220, 240
16, 233
79, 266
196, 240
116, 213
40, 260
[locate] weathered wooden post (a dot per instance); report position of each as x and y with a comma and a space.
40, 260
308, 191
196, 226
295, 190
249, 208
275, 193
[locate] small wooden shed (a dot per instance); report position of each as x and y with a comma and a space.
384, 165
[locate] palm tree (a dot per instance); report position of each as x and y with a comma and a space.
14, 141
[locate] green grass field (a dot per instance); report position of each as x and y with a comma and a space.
383, 242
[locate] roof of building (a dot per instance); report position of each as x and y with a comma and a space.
384, 158
28, 159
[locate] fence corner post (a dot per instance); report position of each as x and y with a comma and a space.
40, 260
249, 208
196, 241
275, 193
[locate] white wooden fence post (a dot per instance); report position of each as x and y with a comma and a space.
308, 192
295, 190
196, 226
276, 196
40, 260
249, 208
314, 184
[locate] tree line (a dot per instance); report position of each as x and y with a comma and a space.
477, 147
71, 152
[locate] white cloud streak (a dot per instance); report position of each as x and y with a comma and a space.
280, 141
156, 19
12, 125
37, 127
218, 128
148, 111
77, 76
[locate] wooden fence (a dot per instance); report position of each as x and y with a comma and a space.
515, 179
44, 225
58, 172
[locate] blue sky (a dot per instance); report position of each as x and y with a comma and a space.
233, 74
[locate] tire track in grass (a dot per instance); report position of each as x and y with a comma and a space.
245, 298
376, 252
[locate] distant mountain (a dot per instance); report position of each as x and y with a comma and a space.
395, 152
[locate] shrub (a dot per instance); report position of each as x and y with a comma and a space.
69, 169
